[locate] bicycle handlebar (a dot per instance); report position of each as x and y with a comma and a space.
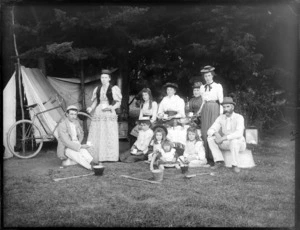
52, 102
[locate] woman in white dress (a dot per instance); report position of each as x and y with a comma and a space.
171, 106
170, 110
103, 133
212, 96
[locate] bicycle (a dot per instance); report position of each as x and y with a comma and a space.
29, 137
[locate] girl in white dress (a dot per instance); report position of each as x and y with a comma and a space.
159, 136
148, 106
148, 109
103, 132
194, 152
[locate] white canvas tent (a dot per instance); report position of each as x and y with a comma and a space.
39, 89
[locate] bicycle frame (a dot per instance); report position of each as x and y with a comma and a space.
36, 115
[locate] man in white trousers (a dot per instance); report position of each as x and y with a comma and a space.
227, 133
70, 135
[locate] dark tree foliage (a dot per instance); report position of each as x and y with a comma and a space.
155, 44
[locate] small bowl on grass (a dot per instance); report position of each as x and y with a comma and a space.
184, 168
98, 170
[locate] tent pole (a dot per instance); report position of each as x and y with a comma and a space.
83, 98
18, 72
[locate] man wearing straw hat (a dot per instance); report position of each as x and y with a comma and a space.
70, 135
232, 127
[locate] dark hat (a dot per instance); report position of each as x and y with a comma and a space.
228, 100
160, 126
145, 120
207, 69
169, 84
196, 79
197, 85
107, 71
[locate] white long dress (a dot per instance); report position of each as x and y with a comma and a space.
103, 133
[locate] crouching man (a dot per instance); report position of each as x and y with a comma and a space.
227, 133
70, 135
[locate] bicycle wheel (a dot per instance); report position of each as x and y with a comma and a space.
25, 145
85, 122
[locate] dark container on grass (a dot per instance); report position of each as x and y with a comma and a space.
184, 168
98, 169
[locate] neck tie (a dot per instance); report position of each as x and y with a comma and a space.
228, 123
208, 86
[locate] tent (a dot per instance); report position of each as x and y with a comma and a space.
39, 89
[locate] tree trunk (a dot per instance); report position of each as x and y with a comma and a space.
124, 75
82, 85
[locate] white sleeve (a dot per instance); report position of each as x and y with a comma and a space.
154, 108
220, 93
214, 128
116, 93
94, 94
161, 106
181, 106
200, 150
202, 90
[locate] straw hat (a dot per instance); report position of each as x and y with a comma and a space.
207, 69
73, 107
145, 120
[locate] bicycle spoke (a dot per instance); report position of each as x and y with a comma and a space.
25, 139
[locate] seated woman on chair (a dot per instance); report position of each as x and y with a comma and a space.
171, 109
171, 106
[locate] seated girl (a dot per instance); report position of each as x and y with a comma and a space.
160, 134
194, 152
167, 156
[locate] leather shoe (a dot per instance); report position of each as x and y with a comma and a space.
218, 164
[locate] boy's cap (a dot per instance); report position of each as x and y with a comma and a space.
72, 107
145, 120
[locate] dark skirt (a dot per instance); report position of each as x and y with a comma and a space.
209, 113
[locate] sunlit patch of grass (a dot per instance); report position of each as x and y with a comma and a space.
259, 197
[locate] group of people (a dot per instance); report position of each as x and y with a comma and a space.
164, 132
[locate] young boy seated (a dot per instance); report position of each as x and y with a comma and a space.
138, 151
167, 156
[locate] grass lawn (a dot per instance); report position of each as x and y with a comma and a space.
263, 196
